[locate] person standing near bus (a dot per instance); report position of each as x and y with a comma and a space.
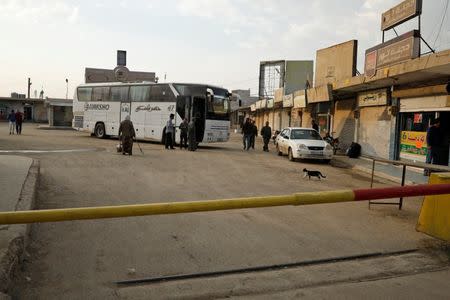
126, 135
170, 131
183, 134
12, 122
19, 119
266, 133
192, 135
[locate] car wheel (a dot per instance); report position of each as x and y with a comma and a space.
290, 155
100, 130
327, 161
278, 151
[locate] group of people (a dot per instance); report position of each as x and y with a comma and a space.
188, 139
15, 122
250, 132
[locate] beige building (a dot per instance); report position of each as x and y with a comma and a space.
55, 112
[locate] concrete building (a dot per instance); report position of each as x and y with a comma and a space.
33, 109
240, 106
392, 109
280, 83
59, 111
55, 112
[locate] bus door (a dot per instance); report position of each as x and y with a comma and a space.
125, 110
198, 112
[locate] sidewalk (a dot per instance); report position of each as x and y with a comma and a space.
18, 180
383, 170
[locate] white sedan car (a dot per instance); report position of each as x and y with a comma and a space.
306, 143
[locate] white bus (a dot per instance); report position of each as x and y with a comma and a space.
99, 108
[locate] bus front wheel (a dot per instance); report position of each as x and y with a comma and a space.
100, 130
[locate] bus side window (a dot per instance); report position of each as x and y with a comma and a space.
119, 93
139, 93
162, 93
100, 93
84, 94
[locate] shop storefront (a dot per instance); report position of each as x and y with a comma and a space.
321, 113
344, 122
299, 104
288, 102
374, 123
416, 115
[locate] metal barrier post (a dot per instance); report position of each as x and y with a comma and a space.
400, 204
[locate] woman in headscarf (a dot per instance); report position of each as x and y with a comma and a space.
126, 135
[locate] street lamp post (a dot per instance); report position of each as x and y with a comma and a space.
67, 88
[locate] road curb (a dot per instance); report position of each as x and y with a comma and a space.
383, 175
12, 256
342, 164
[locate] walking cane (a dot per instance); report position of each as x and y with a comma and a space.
139, 146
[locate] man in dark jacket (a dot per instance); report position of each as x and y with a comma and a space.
247, 130
19, 119
254, 134
192, 135
183, 134
435, 143
266, 133
314, 125
126, 135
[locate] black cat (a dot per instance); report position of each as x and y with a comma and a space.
312, 174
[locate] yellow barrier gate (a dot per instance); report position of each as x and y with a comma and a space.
434, 217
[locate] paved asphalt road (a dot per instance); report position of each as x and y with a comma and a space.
83, 259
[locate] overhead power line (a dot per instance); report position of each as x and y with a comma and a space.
442, 22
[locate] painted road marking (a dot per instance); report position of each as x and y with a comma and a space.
52, 151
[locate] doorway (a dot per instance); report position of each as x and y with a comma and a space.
445, 129
27, 113
199, 112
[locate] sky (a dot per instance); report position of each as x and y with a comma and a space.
219, 42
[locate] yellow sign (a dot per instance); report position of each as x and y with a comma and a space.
413, 142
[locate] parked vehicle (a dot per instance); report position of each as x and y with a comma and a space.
334, 142
303, 143
274, 136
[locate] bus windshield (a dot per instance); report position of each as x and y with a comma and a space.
218, 103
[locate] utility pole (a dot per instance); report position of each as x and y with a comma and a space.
29, 86
67, 88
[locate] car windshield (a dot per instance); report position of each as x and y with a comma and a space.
305, 134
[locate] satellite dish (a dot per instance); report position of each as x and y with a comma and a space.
121, 73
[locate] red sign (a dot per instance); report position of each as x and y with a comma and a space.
417, 118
